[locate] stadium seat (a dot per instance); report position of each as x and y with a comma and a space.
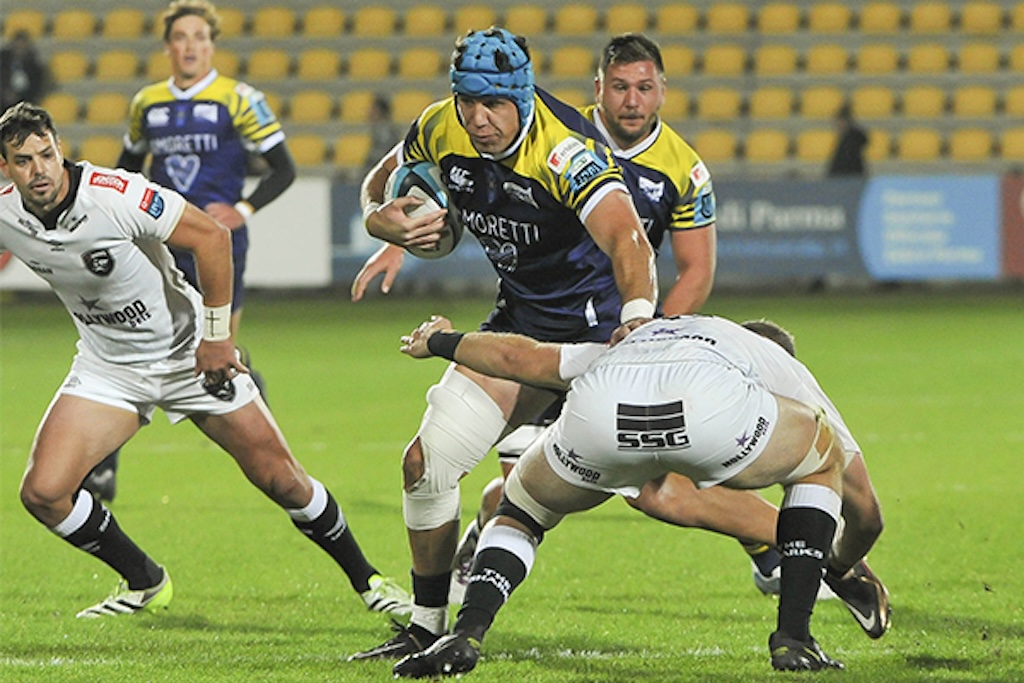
377, 21
676, 106
715, 145
927, 58
930, 17
225, 61
924, 102
351, 151
771, 102
724, 59
232, 23
626, 18
106, 108
1011, 144
766, 146
879, 145
1016, 17
978, 58
828, 17
575, 19
63, 107
369, 63
778, 18
826, 59
572, 61
1015, 59
311, 106
323, 21
1013, 101
872, 102
918, 144
420, 63
815, 145
31, 21
676, 19
268, 64
273, 21
307, 149
526, 20
981, 18
158, 67
726, 18
821, 102
124, 23
776, 59
407, 104
880, 16
425, 21
101, 150
970, 144
877, 58
473, 18
719, 104
355, 106
974, 102
116, 66
679, 60
576, 97
74, 24
69, 66
318, 64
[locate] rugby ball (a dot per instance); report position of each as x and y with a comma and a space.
422, 180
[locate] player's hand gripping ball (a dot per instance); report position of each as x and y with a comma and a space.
422, 180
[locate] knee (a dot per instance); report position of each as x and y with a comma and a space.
41, 501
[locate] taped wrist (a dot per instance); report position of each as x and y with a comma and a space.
443, 344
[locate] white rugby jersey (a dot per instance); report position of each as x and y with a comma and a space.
105, 258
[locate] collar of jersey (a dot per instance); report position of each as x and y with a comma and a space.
633, 151
180, 94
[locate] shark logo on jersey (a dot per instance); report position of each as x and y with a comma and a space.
520, 193
183, 169
99, 262
651, 189
460, 180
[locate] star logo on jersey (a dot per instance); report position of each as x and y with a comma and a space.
90, 304
99, 262
742, 441
183, 169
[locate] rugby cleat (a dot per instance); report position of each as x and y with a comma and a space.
451, 655
789, 654
406, 641
387, 597
771, 584
865, 596
126, 601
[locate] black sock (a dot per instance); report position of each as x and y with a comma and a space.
431, 591
496, 573
330, 532
804, 534
101, 535
766, 559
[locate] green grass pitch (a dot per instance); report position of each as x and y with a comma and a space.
930, 383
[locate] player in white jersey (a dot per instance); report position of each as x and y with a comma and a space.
148, 339
696, 395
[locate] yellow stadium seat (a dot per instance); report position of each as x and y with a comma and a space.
273, 21
828, 17
978, 58
715, 145
526, 20
374, 20
726, 18
930, 17
1016, 17
318, 64
116, 66
225, 61
676, 106
31, 21
872, 102
766, 146
1011, 144
473, 18
157, 66
572, 61
1013, 101
918, 144
981, 18
355, 106
970, 144
1016, 59
778, 17
369, 63
575, 19
408, 104
928, 58
106, 108
421, 63
719, 104
879, 145
307, 149
771, 102
74, 24
311, 106
776, 59
924, 102
323, 21
877, 58
626, 18
124, 23
974, 101
425, 20
724, 59
676, 19
577, 97
824, 59
63, 107
679, 60
102, 150
815, 145
232, 22
69, 66
268, 64
880, 16
351, 151
821, 102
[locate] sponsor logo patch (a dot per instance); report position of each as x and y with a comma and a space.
108, 180
152, 203
563, 153
651, 427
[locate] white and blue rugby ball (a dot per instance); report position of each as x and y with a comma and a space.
422, 180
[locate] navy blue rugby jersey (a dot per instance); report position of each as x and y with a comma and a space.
527, 211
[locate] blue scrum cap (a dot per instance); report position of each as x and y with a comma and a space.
494, 63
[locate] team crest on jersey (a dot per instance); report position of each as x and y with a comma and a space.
205, 111
651, 189
99, 262
114, 182
152, 203
520, 193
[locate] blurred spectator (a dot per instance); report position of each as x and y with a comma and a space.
848, 157
23, 75
384, 132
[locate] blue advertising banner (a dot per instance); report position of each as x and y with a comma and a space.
931, 228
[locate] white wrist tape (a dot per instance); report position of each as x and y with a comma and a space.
636, 308
217, 323
370, 208
245, 208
